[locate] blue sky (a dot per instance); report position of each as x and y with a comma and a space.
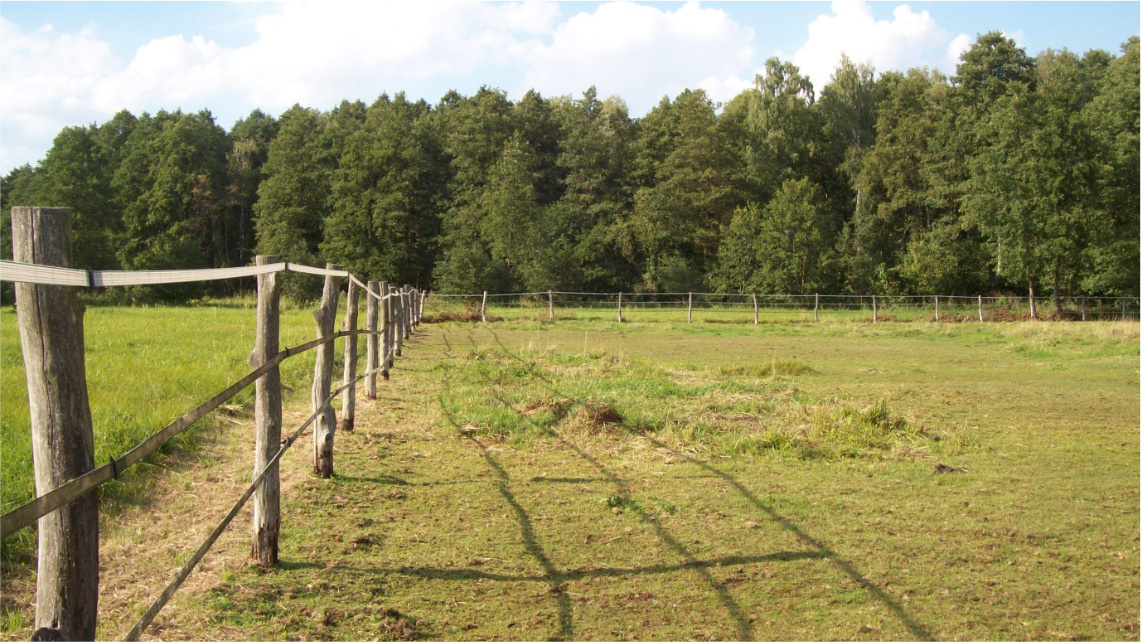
64, 64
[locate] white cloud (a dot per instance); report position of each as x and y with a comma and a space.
909, 39
44, 81
959, 44
643, 53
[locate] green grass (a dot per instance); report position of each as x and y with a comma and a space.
526, 479
146, 366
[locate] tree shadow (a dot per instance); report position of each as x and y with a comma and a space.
745, 629
918, 629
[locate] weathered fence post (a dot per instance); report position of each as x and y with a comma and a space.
386, 330
372, 356
349, 398
406, 307
689, 314
619, 307
397, 322
551, 305
980, 308
1083, 308
325, 428
267, 418
1033, 308
50, 320
875, 310
483, 308
936, 308
756, 311
816, 309
422, 300
413, 305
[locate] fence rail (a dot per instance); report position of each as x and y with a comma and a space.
730, 307
44, 232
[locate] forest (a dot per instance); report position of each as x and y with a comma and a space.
1017, 174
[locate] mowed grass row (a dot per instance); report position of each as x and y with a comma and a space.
146, 366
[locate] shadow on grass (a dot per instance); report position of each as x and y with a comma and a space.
918, 629
745, 629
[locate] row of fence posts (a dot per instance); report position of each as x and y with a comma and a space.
390, 317
50, 320
815, 308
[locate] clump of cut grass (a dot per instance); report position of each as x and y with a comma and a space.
775, 368
594, 417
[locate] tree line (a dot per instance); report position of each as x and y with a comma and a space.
1016, 174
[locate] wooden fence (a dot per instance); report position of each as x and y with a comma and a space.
50, 320
726, 307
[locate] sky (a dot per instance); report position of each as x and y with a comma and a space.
77, 63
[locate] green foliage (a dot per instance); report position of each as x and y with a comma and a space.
1017, 173
781, 249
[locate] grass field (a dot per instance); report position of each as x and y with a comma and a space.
579, 479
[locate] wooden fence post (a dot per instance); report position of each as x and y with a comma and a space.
619, 307
936, 308
1034, 310
980, 308
397, 322
324, 429
689, 315
413, 297
50, 320
422, 300
349, 396
483, 308
816, 309
406, 307
267, 418
875, 311
756, 311
372, 352
387, 332
1083, 308
1122, 308
551, 305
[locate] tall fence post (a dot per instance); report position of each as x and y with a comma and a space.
372, 354
756, 311
980, 308
689, 314
267, 418
325, 428
551, 305
1034, 309
397, 321
483, 308
1083, 308
936, 308
349, 396
50, 319
422, 300
875, 310
619, 307
413, 320
387, 332
405, 312
816, 309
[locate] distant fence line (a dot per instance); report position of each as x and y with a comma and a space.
937, 307
51, 332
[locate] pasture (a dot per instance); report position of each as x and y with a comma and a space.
582, 479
